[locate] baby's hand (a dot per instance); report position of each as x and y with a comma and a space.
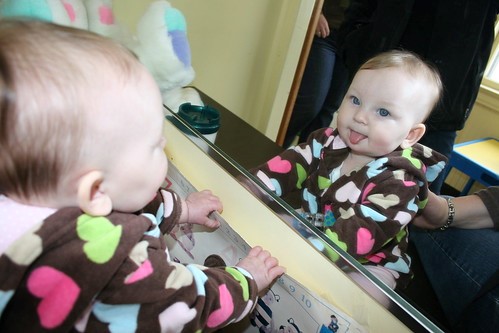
262, 266
198, 205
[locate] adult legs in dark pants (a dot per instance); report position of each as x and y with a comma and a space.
339, 85
458, 262
314, 87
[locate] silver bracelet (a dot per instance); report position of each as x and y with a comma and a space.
450, 216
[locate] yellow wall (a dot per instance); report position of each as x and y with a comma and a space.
244, 53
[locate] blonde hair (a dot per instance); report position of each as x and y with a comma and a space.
413, 64
45, 72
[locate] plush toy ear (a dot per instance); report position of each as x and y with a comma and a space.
414, 135
163, 47
91, 199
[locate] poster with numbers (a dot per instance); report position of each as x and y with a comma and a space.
287, 307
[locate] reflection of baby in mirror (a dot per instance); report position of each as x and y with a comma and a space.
364, 181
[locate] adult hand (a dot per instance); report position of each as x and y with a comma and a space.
322, 29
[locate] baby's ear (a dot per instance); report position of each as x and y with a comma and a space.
414, 135
91, 199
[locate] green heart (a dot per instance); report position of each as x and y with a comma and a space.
334, 237
101, 236
407, 153
401, 235
302, 175
323, 182
422, 203
243, 281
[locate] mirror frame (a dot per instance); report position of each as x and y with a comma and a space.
302, 62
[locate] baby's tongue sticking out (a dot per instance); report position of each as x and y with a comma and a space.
356, 137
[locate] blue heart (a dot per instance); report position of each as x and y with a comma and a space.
411, 205
316, 148
121, 318
433, 171
5, 297
312, 201
400, 266
369, 212
375, 167
277, 186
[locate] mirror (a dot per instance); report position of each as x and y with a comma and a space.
229, 139
263, 73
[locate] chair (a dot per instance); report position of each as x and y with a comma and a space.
479, 160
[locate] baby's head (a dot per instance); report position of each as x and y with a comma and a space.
390, 97
82, 120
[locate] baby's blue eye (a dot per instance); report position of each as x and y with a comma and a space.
383, 112
355, 100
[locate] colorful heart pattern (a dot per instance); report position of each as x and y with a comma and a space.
384, 194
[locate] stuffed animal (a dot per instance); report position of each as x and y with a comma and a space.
160, 42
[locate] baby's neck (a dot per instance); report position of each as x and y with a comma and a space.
354, 162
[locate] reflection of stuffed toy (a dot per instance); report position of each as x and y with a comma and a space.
160, 43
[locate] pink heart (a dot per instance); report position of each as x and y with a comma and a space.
376, 257
142, 272
106, 15
368, 188
279, 165
70, 10
219, 316
58, 293
365, 241
338, 143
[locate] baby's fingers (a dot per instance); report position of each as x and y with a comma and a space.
276, 272
255, 251
273, 268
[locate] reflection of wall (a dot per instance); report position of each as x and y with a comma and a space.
244, 52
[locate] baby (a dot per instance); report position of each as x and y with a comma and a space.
366, 180
82, 215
